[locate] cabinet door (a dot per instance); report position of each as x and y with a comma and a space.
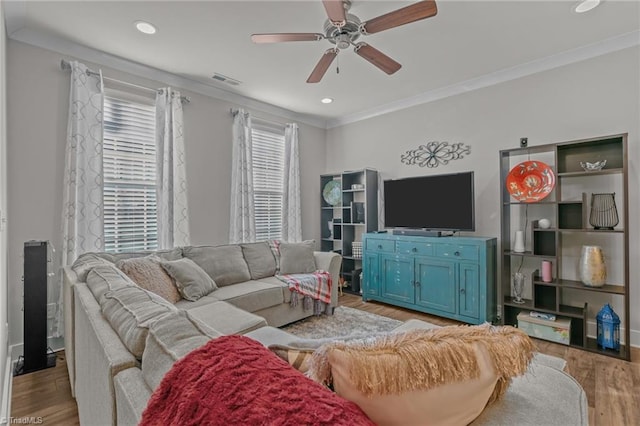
397, 275
469, 290
436, 284
370, 269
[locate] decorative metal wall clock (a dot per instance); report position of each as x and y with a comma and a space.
432, 154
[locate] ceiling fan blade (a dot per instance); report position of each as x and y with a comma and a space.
377, 58
322, 66
335, 12
281, 37
415, 12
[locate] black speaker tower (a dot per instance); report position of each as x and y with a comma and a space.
35, 309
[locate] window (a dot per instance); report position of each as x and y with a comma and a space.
129, 159
268, 165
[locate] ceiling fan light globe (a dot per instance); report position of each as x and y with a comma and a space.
586, 5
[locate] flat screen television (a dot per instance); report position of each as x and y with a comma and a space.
435, 202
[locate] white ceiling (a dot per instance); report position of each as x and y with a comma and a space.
466, 42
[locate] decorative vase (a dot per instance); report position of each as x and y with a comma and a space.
593, 270
604, 214
518, 247
546, 271
544, 223
518, 287
330, 229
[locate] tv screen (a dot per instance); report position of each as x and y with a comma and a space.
438, 202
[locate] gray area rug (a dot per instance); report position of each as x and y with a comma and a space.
345, 322
351, 323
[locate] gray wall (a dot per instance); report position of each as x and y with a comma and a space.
38, 95
586, 99
3, 209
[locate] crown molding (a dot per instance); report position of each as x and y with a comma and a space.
18, 32
589, 51
15, 14
15, 17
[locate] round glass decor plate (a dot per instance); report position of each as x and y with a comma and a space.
332, 192
530, 181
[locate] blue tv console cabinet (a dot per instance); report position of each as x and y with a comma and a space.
452, 277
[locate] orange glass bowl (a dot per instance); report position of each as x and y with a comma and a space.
530, 181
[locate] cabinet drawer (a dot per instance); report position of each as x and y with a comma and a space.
408, 247
381, 245
457, 251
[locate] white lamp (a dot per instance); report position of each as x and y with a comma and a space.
518, 247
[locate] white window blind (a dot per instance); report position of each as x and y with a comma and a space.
129, 158
268, 163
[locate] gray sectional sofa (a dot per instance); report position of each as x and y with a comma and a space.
120, 339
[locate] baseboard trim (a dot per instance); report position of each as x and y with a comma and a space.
7, 388
55, 343
592, 331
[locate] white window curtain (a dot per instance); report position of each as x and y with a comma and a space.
242, 227
291, 205
82, 215
173, 210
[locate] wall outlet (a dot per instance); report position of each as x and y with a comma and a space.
51, 310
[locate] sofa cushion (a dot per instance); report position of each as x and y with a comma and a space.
167, 254
226, 318
185, 304
225, 264
104, 278
148, 274
446, 375
297, 258
276, 281
260, 260
192, 281
251, 296
169, 339
86, 262
130, 311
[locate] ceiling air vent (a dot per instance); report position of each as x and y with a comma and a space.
225, 79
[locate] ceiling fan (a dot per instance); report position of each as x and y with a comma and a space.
343, 29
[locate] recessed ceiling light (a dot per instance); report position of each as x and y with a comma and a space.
586, 5
326, 100
145, 27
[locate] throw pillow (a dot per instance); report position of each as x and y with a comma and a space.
192, 281
298, 358
148, 274
224, 264
446, 375
260, 259
297, 258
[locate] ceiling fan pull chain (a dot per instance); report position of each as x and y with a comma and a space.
338, 66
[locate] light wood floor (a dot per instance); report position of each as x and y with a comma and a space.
612, 386
45, 394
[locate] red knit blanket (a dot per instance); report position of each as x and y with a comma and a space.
234, 380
